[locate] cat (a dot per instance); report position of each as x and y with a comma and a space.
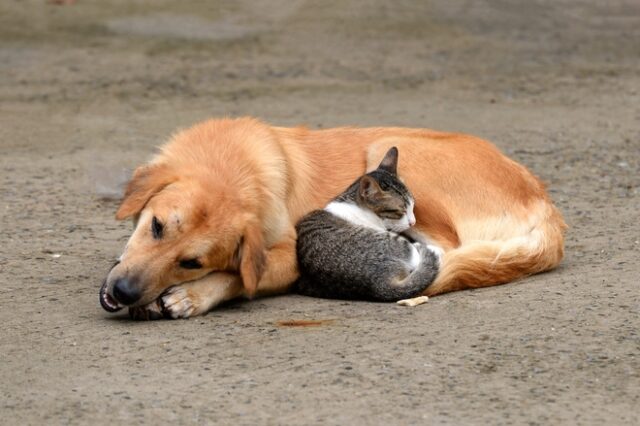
353, 249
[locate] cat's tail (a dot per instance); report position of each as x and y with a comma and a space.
484, 262
416, 282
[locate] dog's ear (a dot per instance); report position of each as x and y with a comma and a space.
390, 161
145, 183
253, 258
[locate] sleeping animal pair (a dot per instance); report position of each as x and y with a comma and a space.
361, 245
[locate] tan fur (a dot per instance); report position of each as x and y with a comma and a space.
252, 257
231, 191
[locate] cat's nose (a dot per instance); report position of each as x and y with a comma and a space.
412, 220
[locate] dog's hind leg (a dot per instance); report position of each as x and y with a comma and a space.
524, 248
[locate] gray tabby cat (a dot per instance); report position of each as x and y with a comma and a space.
353, 250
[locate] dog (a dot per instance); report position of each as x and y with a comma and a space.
215, 211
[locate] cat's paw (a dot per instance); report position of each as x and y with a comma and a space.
437, 251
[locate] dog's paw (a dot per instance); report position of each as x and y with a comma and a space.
178, 303
152, 311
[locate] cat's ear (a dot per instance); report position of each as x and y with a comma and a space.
390, 161
369, 188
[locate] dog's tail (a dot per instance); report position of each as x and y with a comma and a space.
531, 248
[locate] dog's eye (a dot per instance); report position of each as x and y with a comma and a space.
156, 228
190, 264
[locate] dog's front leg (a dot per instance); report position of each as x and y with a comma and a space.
198, 297
191, 298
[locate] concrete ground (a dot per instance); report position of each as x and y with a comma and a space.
88, 89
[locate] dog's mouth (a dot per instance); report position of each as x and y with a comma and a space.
107, 302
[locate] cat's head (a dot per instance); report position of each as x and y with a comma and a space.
382, 192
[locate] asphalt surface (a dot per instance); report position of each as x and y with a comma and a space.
88, 89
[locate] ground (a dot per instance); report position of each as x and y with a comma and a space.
88, 89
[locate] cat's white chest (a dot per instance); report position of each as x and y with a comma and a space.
355, 214
415, 259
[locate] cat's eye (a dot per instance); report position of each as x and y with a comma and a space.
391, 213
190, 264
156, 228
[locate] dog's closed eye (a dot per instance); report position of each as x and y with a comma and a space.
190, 264
156, 228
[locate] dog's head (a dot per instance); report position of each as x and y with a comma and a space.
191, 219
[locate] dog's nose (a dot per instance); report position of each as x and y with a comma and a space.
126, 291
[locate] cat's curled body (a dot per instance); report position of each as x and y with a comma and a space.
353, 248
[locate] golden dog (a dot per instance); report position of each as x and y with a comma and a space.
215, 210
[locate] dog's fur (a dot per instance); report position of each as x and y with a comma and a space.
230, 191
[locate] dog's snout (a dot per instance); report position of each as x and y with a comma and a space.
126, 291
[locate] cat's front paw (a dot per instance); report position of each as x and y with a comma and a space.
437, 251
433, 249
